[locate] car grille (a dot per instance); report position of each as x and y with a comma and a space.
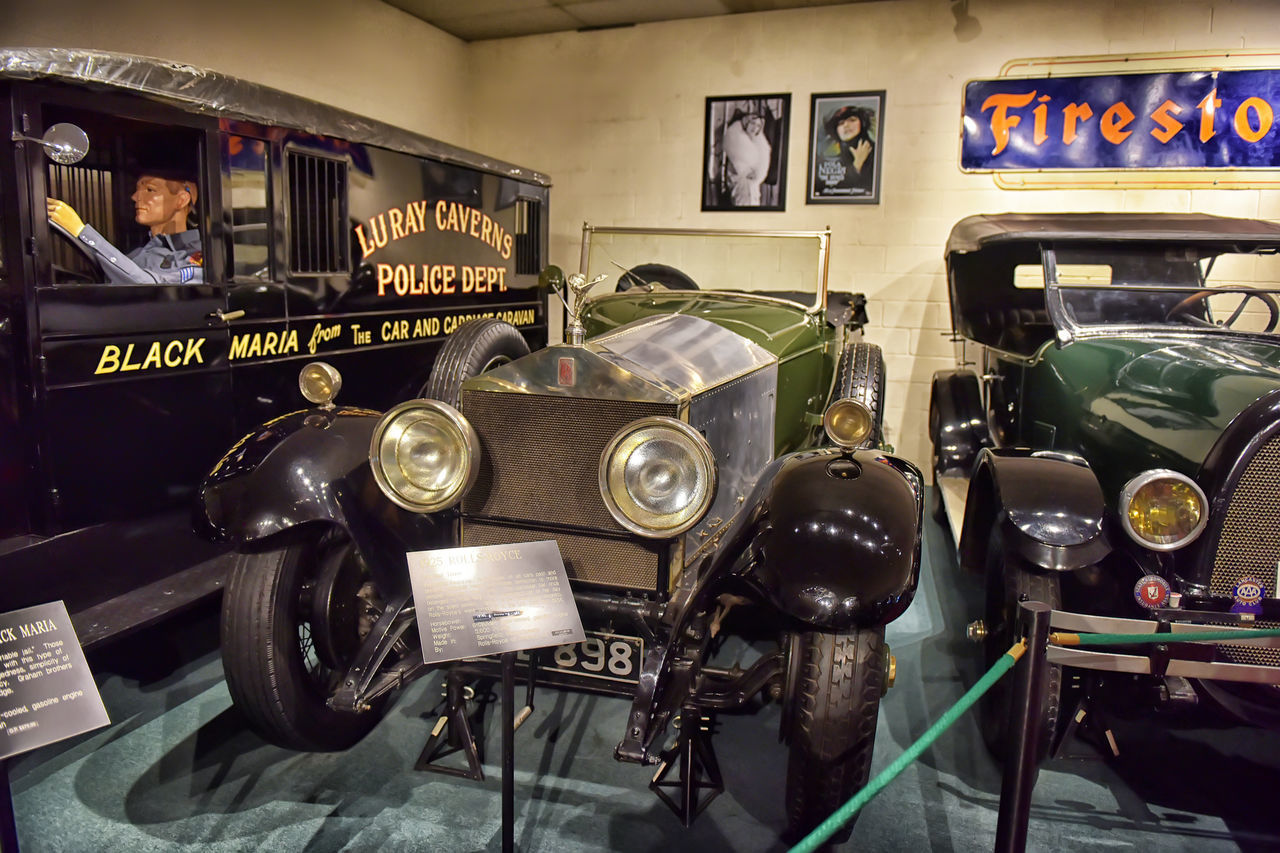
1248, 545
539, 465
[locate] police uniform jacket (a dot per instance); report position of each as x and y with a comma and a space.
164, 259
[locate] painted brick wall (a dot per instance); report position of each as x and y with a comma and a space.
616, 118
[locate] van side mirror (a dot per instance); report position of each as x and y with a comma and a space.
63, 143
551, 278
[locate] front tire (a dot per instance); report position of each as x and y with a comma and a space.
1010, 580
274, 667
832, 722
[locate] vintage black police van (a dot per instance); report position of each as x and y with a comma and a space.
321, 234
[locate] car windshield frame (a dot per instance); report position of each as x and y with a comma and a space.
1080, 308
800, 258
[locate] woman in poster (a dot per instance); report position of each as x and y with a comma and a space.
846, 164
747, 153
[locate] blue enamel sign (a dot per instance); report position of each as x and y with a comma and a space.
1176, 120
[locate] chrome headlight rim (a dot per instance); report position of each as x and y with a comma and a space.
468, 444
703, 456
319, 382
1132, 488
829, 418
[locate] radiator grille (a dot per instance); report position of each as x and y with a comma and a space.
540, 462
1248, 545
540, 456
632, 564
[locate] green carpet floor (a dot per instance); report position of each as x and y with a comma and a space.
177, 770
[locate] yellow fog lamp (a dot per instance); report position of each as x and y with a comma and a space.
320, 383
1163, 510
425, 455
848, 422
658, 477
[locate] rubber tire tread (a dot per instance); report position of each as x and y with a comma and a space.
262, 661
465, 353
860, 375
1018, 582
833, 732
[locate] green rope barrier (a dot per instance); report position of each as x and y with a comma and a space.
1066, 639
842, 815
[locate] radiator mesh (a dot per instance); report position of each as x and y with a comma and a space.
1248, 545
630, 564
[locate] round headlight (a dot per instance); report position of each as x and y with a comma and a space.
425, 455
848, 422
320, 382
1163, 510
658, 477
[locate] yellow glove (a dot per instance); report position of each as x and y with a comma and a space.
62, 214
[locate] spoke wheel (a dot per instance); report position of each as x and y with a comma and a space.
279, 676
839, 679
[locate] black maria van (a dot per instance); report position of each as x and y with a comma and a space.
322, 235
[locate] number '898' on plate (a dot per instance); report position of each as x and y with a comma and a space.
609, 656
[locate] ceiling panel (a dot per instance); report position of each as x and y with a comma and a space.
476, 20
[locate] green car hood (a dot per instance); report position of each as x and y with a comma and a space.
1130, 405
780, 328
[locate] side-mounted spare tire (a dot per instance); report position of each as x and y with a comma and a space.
860, 376
476, 346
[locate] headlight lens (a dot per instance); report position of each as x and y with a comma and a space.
658, 477
1163, 510
848, 422
425, 455
319, 382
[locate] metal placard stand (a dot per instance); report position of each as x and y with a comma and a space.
492, 600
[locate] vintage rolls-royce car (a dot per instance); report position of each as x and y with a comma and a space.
707, 440
1110, 443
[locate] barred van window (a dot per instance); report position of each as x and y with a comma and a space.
88, 191
528, 227
318, 243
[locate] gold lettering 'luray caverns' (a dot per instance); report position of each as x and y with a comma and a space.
397, 223
1253, 118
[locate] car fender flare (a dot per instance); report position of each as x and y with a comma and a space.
957, 421
312, 467
1058, 529
830, 538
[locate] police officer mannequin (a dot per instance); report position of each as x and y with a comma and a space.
171, 256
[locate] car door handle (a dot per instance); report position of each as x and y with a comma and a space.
226, 316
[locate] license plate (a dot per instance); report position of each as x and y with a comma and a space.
609, 656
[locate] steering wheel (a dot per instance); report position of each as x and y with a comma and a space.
1183, 308
650, 277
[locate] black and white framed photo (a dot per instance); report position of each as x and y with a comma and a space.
745, 153
845, 132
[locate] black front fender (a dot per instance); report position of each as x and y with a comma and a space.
832, 537
307, 467
1051, 507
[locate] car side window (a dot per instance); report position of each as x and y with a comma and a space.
129, 212
250, 202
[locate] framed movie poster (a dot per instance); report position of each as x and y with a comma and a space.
845, 131
745, 153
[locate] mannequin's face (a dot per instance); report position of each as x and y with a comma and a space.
158, 202
850, 128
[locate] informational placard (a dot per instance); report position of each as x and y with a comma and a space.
47, 692
487, 600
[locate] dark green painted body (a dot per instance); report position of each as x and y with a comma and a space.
1128, 405
806, 346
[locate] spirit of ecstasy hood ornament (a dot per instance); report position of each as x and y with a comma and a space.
551, 278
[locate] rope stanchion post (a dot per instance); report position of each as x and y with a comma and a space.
1023, 758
